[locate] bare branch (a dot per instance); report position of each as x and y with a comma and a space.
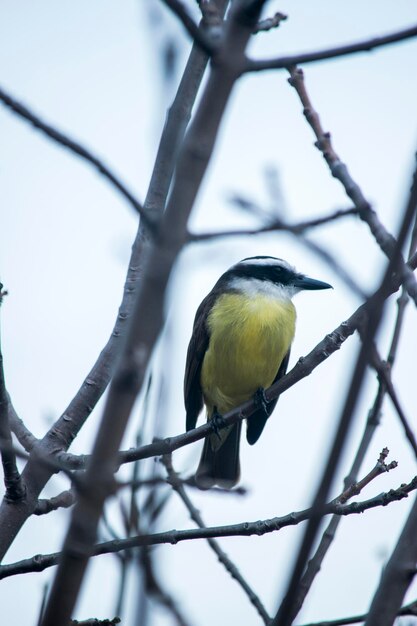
198, 35
270, 23
285, 62
287, 610
22, 111
15, 487
315, 563
275, 225
63, 432
178, 485
96, 622
62, 501
178, 117
147, 318
340, 171
384, 373
408, 609
40, 562
22, 433
155, 481
380, 468
396, 576
305, 365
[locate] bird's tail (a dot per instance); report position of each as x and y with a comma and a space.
220, 466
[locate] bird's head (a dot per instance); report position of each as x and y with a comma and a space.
270, 275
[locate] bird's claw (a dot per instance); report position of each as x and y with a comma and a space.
217, 423
260, 400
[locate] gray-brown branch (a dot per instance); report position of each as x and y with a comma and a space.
285, 62
305, 365
340, 171
40, 562
147, 318
63, 432
15, 488
315, 563
396, 577
287, 610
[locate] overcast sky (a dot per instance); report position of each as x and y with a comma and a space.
94, 70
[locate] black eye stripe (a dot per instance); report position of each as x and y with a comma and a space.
272, 273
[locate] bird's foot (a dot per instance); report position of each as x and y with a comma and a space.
261, 401
217, 422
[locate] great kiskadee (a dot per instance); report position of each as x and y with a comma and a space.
240, 345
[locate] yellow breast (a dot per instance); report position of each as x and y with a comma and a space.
249, 337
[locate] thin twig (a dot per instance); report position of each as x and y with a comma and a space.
297, 230
407, 610
275, 225
178, 486
40, 562
269, 23
380, 468
157, 592
22, 111
155, 481
384, 373
367, 45
340, 171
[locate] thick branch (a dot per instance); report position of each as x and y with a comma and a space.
15, 488
63, 432
285, 62
147, 318
396, 577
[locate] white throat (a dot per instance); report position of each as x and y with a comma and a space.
253, 287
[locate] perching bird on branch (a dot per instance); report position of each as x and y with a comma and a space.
240, 345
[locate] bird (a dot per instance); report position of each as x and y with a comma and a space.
240, 345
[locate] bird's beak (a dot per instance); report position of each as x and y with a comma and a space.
304, 282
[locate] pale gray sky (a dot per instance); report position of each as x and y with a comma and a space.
92, 70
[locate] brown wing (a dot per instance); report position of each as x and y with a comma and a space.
257, 421
193, 395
